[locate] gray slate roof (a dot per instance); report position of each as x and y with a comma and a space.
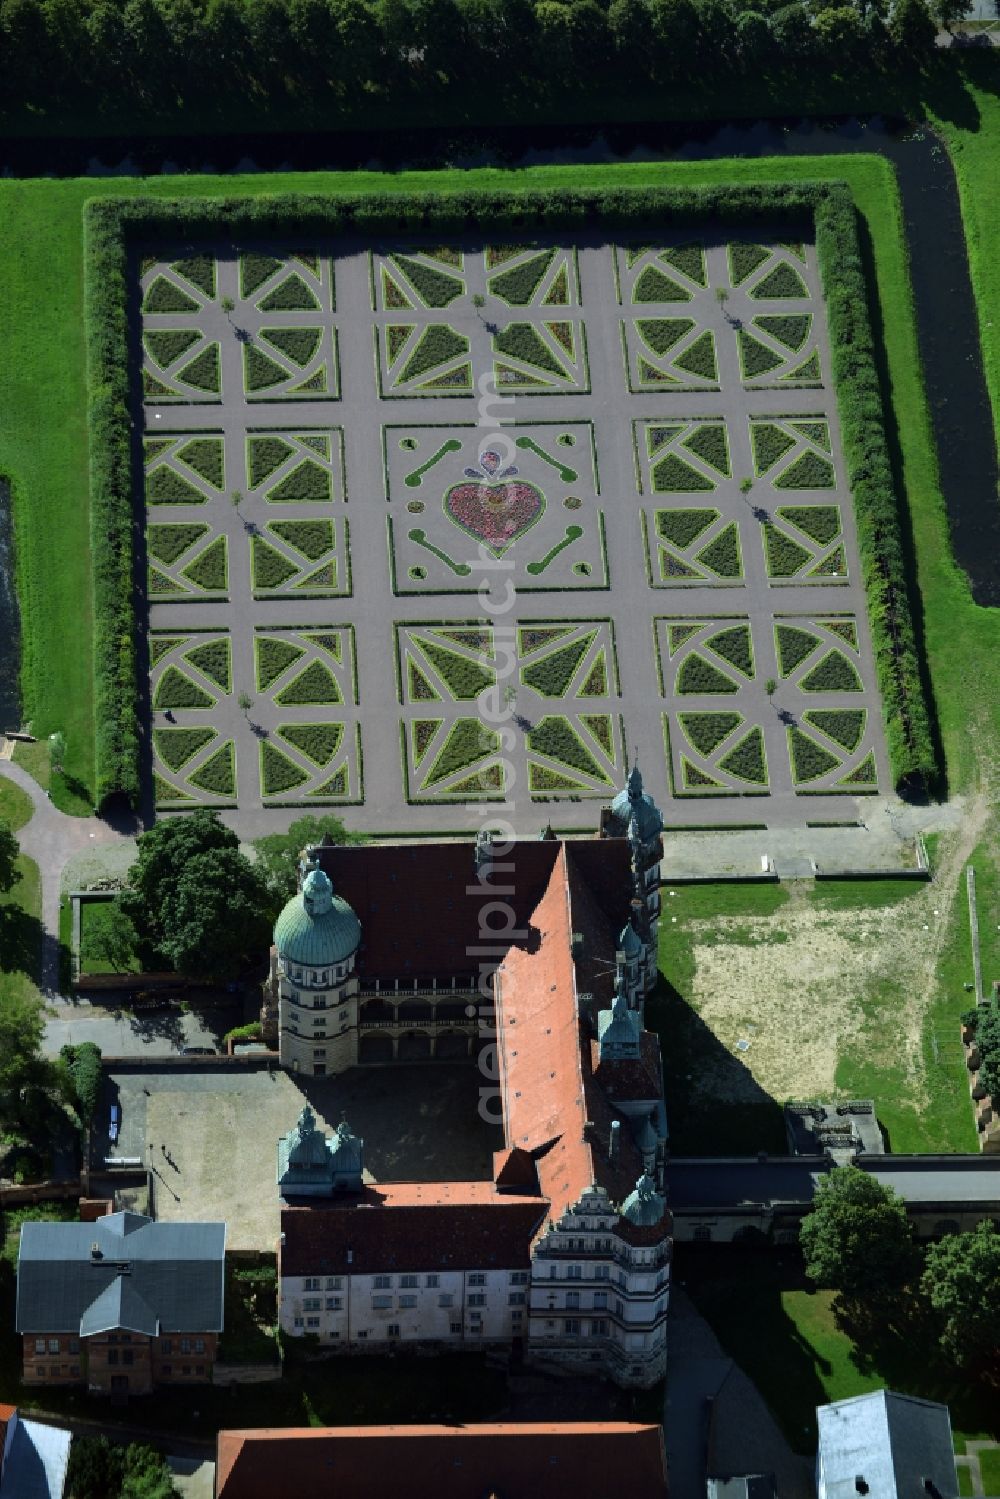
922, 1181
150, 1277
893, 1442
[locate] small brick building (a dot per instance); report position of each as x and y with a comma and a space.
122, 1305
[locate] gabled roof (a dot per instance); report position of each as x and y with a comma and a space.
895, 1443
166, 1273
588, 1460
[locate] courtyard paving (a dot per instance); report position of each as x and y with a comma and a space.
666, 495
221, 1131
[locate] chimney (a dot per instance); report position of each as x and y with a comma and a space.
615, 1141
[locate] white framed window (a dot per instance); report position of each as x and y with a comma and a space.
407, 1282
312, 1321
456, 1329
446, 1299
477, 1278
311, 1284
477, 1299
431, 1282
516, 1298
333, 1282
406, 1303
383, 1282
392, 1331
334, 1303
381, 1303
519, 1277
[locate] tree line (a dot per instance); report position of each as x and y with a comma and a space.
161, 55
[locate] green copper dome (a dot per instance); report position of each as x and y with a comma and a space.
316, 928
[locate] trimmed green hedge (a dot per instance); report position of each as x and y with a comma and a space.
111, 222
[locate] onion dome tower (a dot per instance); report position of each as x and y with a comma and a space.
316, 940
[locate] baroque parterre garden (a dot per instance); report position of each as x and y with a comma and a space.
343, 445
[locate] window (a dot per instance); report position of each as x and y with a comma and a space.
477, 1278
310, 1285
619, 1309
406, 1303
516, 1317
571, 1327
199, 1369
602, 1272
343, 1015
363, 1333
312, 1321
456, 1328
446, 1299
431, 1282
392, 1331
702, 1232
126, 1337
477, 1299
516, 1298
311, 1304
186, 1369
333, 1282
112, 1337
383, 1282
112, 1355
575, 1272
119, 1381
600, 1301
166, 1345
127, 1356
519, 1277
319, 1051
185, 1345
199, 1345
39, 1345
53, 1345
381, 1303
599, 1329
166, 1370
297, 1322
334, 1303
408, 1282
573, 1301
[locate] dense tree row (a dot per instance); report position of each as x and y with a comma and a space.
161, 54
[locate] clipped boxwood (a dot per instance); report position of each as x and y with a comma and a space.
682, 527
218, 774
277, 772
435, 288
468, 742
844, 725
551, 676
111, 223
438, 344
518, 285
808, 758
555, 737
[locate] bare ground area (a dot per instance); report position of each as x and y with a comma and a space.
221, 1134
801, 986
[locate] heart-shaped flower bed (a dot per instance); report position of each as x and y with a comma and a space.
495, 514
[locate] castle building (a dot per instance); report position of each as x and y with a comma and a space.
535, 958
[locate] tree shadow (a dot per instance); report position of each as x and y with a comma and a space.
21, 937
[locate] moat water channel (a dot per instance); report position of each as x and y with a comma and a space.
10, 619
947, 325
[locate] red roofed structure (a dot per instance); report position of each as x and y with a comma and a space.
547, 947
588, 1460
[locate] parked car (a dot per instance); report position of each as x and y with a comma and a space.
198, 1051
113, 1123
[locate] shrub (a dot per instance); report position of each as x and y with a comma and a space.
176, 690
204, 371
468, 741
662, 333
699, 359
682, 527
744, 260
320, 741
755, 358
845, 725
270, 567
518, 285
687, 258
552, 675
653, 286
864, 774
438, 344
722, 555
783, 281
595, 684
747, 759
205, 456
555, 737
833, 674
708, 442
809, 759
208, 570
273, 657
218, 774
255, 269
266, 454
784, 556
168, 542
84, 1062
307, 483
769, 444
698, 675
670, 474
212, 658
316, 684
599, 724
706, 731
199, 270
260, 372
794, 645
164, 486
521, 341
734, 646
164, 296
310, 537
290, 295
809, 471
435, 288
176, 747
789, 328
167, 344
252, 1031
821, 523
465, 679
277, 772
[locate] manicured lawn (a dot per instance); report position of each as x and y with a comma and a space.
852, 895
94, 917
786, 1336
42, 388
68, 794
15, 805
989, 1467
21, 931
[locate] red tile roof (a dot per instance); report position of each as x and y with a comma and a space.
399, 1226
588, 1460
631, 1079
7, 1415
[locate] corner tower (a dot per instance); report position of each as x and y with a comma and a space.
316, 940
634, 815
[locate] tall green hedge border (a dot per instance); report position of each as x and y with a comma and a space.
111, 223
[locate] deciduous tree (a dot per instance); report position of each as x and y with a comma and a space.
857, 1238
961, 1280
